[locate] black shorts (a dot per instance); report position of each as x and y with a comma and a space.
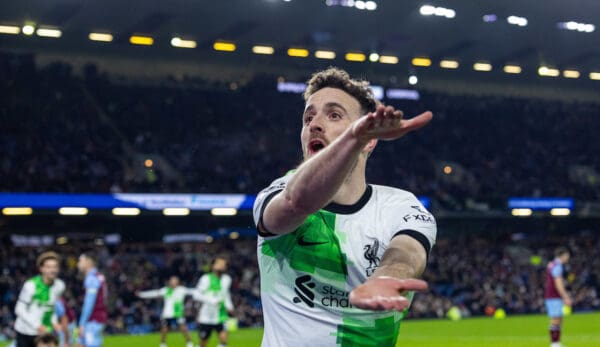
204, 330
169, 322
25, 340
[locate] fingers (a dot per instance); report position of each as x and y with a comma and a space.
411, 284
418, 121
386, 123
400, 285
386, 116
381, 303
365, 123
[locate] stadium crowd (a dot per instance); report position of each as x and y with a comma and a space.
475, 273
63, 133
129, 268
92, 134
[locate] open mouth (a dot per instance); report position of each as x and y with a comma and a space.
315, 146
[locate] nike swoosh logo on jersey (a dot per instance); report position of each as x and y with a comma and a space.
303, 242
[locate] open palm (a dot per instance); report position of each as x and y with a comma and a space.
385, 293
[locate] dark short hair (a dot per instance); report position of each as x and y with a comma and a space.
560, 251
334, 77
91, 256
41, 259
46, 339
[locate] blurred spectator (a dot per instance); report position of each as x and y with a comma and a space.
63, 134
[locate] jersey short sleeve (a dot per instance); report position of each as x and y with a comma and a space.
263, 198
59, 309
92, 284
557, 270
408, 216
27, 292
60, 287
225, 282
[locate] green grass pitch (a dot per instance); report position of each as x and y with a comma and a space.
579, 330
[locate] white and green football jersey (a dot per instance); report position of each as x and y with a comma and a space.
173, 299
307, 275
215, 295
36, 305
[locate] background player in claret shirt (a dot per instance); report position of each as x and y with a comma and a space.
213, 291
35, 306
66, 321
93, 314
338, 257
555, 293
172, 314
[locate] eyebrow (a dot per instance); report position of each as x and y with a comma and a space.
331, 104
335, 104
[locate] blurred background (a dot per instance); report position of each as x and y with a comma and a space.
144, 129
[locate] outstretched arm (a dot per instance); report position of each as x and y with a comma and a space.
402, 263
150, 294
318, 179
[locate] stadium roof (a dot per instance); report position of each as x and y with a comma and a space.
394, 28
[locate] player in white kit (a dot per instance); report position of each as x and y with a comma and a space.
35, 306
173, 297
213, 291
339, 257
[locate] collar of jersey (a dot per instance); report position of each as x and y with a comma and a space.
350, 209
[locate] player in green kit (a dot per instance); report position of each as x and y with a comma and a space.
35, 306
339, 258
213, 292
173, 300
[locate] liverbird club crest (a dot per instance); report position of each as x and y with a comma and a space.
371, 255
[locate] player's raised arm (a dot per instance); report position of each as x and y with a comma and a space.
318, 179
151, 294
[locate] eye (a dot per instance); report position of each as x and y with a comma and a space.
308, 118
335, 115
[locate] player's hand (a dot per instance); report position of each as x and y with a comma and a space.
568, 302
42, 330
385, 293
386, 123
80, 332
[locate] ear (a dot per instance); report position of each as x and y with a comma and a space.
370, 147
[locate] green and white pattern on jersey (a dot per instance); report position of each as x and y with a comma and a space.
323, 257
177, 304
215, 286
41, 297
326, 254
381, 332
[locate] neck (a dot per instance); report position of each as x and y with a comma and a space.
353, 187
46, 280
